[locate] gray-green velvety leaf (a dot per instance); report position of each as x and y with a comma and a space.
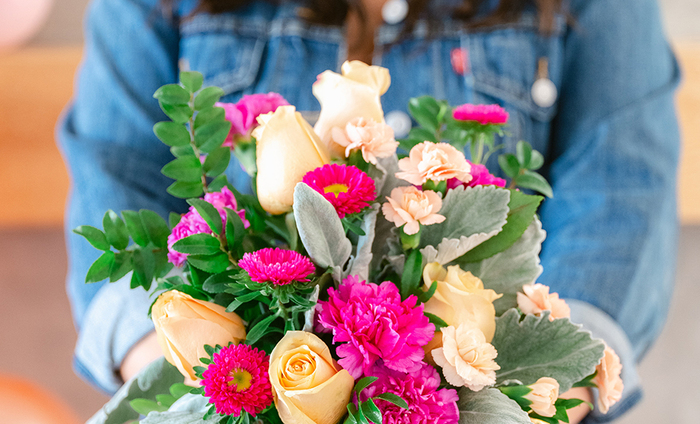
489, 406
359, 264
538, 347
189, 409
320, 230
153, 380
470, 211
507, 272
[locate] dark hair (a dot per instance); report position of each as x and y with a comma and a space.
334, 12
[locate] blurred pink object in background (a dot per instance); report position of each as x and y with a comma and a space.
20, 20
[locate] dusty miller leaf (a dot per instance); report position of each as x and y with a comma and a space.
189, 409
320, 230
538, 347
359, 264
489, 406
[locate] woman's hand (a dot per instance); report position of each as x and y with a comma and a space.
576, 415
141, 354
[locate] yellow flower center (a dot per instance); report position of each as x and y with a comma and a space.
336, 189
241, 378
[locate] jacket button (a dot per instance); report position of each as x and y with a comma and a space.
394, 11
544, 92
400, 122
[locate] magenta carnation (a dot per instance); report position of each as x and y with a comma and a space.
238, 380
483, 114
426, 404
347, 188
277, 266
482, 176
192, 223
243, 113
372, 323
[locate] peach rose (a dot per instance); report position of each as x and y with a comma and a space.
287, 148
412, 207
460, 297
308, 386
538, 299
353, 94
466, 358
608, 380
434, 161
185, 324
545, 392
373, 139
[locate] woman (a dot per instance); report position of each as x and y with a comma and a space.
610, 135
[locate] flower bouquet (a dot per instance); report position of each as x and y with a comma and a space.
356, 285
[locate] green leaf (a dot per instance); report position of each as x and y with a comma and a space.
210, 114
215, 263
178, 113
426, 295
522, 208
421, 135
174, 219
172, 133
115, 230
172, 94
241, 300
185, 190
523, 152
363, 383
217, 161
121, 266
144, 406
536, 161
178, 390
144, 268
489, 406
518, 393
135, 227
536, 346
587, 382
207, 97
182, 151
509, 164
210, 136
95, 237
158, 231
424, 110
392, 398
165, 400
235, 230
100, 269
259, 329
412, 273
187, 169
209, 213
370, 410
352, 410
192, 80
198, 244
534, 181
436, 320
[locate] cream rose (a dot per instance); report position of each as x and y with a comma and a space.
185, 324
466, 358
373, 139
352, 94
287, 148
412, 207
308, 386
435, 162
608, 380
545, 392
537, 299
460, 298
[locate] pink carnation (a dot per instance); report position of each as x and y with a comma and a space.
347, 188
243, 113
426, 404
480, 176
192, 223
237, 380
483, 114
277, 266
372, 323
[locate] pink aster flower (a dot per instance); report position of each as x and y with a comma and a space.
243, 113
277, 266
483, 114
426, 404
238, 380
480, 176
192, 223
372, 323
347, 188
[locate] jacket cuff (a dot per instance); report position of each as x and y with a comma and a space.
602, 326
116, 320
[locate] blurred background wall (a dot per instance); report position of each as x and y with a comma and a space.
36, 332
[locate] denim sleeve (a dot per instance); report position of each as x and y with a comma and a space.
612, 225
114, 160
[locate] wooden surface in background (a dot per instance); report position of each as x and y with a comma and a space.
36, 83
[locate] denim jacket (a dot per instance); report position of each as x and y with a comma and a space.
610, 140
